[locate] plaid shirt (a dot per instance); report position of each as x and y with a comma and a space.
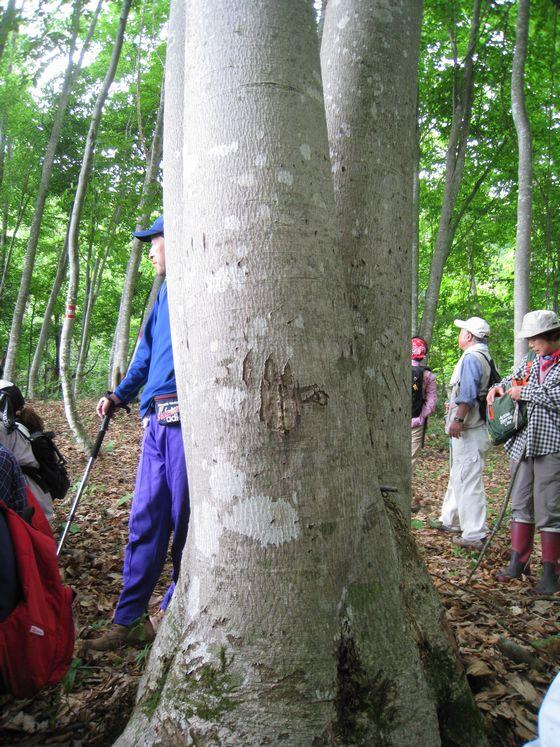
542, 433
12, 484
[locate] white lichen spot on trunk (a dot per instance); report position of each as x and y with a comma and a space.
263, 212
225, 279
305, 150
266, 521
232, 223
343, 21
246, 180
285, 177
230, 399
259, 325
193, 596
224, 149
226, 482
205, 528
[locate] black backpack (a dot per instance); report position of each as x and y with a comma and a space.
494, 378
418, 389
51, 475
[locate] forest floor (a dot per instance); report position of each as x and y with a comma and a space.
495, 626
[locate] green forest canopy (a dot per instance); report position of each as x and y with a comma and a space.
34, 41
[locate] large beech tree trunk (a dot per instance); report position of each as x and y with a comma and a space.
288, 624
374, 153
68, 393
521, 298
454, 170
371, 122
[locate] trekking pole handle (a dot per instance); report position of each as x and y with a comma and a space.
105, 427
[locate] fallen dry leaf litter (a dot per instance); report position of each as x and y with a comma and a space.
509, 641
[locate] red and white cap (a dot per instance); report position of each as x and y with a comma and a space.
419, 349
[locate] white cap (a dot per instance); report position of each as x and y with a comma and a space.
475, 325
537, 322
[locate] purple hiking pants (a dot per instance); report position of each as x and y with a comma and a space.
160, 506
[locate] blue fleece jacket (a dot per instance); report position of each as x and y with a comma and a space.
153, 363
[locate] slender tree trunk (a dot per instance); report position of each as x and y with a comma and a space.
149, 191
92, 296
6, 24
454, 170
550, 112
47, 316
8, 258
282, 628
10, 370
416, 231
521, 297
73, 237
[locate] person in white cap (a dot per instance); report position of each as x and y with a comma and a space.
536, 491
464, 507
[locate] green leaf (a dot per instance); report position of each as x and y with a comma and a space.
125, 499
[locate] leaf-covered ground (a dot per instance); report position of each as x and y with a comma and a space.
509, 641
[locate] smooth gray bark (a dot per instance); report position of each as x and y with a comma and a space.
521, 297
369, 61
288, 623
70, 407
454, 170
150, 190
371, 120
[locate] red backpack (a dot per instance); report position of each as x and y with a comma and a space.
37, 637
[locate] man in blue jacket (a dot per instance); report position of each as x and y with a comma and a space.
161, 497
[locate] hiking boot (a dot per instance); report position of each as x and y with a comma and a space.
469, 544
549, 582
515, 569
521, 546
156, 619
550, 552
119, 636
441, 527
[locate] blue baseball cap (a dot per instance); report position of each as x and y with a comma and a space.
156, 229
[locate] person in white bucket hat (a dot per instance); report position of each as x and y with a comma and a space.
464, 506
535, 495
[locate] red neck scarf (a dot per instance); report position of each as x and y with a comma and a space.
549, 361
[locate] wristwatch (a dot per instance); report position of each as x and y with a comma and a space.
458, 420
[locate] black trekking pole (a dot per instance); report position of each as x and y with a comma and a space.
498, 523
94, 454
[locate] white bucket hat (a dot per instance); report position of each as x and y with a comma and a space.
537, 322
475, 325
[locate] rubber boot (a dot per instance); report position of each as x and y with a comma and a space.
521, 546
549, 583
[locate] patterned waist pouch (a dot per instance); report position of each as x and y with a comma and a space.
166, 407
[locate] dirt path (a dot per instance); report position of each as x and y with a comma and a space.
91, 706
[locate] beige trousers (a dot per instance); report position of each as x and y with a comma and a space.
417, 438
